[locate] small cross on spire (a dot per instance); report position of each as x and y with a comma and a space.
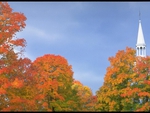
139, 15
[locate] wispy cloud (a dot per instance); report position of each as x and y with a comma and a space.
35, 33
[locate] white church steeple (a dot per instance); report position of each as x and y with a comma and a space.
140, 46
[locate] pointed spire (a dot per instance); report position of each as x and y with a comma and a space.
140, 37
140, 46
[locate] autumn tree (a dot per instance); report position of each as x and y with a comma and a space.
14, 70
139, 91
54, 79
117, 78
10, 24
125, 86
21, 91
86, 98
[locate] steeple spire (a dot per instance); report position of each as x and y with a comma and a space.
139, 15
140, 46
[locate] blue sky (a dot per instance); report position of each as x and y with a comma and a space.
85, 33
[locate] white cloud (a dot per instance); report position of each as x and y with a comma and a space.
40, 34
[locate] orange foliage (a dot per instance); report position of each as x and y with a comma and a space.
52, 74
45, 84
126, 83
17, 83
2, 91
